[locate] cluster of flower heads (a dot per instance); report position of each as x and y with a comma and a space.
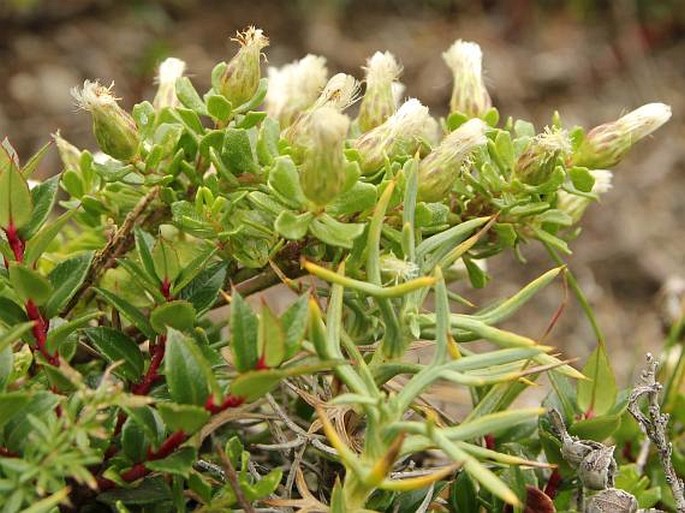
310, 107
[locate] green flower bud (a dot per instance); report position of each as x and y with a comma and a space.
439, 170
379, 103
469, 95
537, 162
400, 134
575, 205
295, 87
606, 145
114, 128
170, 70
323, 169
240, 79
68, 153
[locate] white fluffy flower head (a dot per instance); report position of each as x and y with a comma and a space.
464, 57
170, 70
94, 95
646, 119
295, 87
382, 67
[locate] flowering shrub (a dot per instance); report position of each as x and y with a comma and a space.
124, 383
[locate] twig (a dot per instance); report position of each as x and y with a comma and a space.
117, 245
232, 477
655, 426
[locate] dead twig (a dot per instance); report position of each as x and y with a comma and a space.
655, 426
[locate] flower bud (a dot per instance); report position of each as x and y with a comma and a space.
537, 162
322, 173
340, 92
378, 103
170, 70
575, 205
612, 500
439, 170
398, 270
401, 134
606, 145
114, 128
295, 87
68, 153
469, 95
240, 80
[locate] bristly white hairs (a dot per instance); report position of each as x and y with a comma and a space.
410, 120
295, 86
603, 178
340, 92
646, 119
464, 139
328, 126
464, 56
93, 95
170, 70
554, 139
382, 67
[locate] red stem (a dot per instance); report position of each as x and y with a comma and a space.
231, 401
40, 332
152, 374
15, 242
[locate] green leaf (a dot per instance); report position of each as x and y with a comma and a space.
18, 426
244, 333
149, 421
31, 166
265, 486
219, 107
188, 96
597, 394
237, 152
6, 368
66, 279
16, 204
154, 491
463, 495
166, 262
183, 417
293, 226
597, 428
134, 443
10, 312
114, 346
144, 244
177, 314
144, 115
362, 196
477, 276
11, 403
252, 385
284, 180
179, 463
40, 242
271, 338
186, 370
204, 289
43, 197
582, 178
294, 320
267, 142
29, 284
333, 232
130, 312
193, 268
59, 332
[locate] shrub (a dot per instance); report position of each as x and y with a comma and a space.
126, 384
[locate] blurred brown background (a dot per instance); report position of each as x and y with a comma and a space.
591, 60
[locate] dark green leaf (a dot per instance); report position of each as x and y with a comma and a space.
204, 289
294, 321
177, 314
10, 312
11, 403
66, 279
16, 205
244, 333
179, 463
43, 197
132, 313
598, 393
134, 443
152, 491
183, 417
14, 333
254, 384
40, 242
186, 370
114, 346
144, 243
